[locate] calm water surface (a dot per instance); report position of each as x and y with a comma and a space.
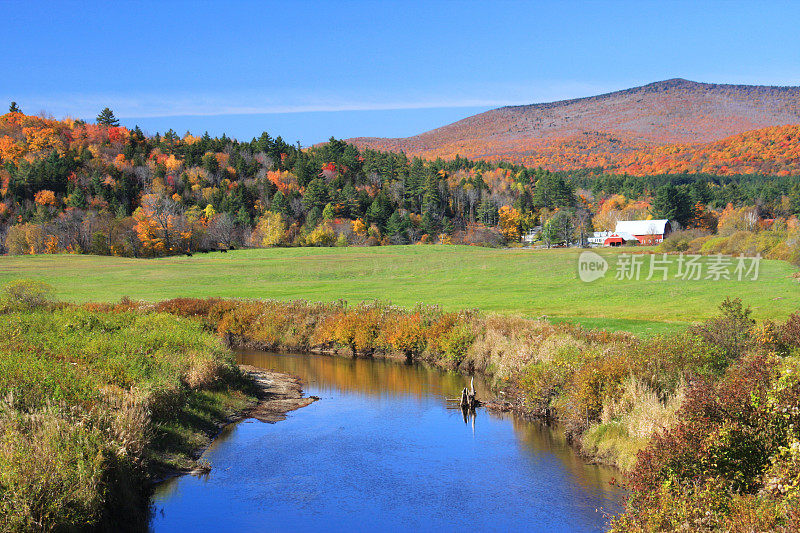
381, 452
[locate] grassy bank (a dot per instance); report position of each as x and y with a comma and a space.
95, 405
521, 282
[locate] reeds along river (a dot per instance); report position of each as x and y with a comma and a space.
382, 452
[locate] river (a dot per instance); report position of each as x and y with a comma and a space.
381, 451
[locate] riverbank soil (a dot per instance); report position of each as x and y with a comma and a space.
278, 393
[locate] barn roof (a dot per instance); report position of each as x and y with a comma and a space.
641, 227
627, 236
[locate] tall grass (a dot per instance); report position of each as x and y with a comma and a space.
627, 423
95, 404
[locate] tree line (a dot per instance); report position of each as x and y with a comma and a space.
69, 185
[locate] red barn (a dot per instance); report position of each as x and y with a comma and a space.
647, 232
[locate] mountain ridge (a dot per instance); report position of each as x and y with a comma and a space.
673, 111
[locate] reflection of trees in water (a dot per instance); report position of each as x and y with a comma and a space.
373, 377
381, 378
550, 438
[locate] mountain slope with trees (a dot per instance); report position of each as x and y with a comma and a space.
598, 130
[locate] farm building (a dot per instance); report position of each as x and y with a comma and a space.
529, 236
619, 239
598, 238
645, 232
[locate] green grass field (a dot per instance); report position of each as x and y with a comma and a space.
527, 282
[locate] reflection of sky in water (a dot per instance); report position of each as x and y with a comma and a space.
381, 452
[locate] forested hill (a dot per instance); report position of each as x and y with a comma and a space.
72, 186
583, 132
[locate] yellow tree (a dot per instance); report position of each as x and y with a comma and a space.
270, 229
209, 213
43, 139
359, 228
45, 197
509, 222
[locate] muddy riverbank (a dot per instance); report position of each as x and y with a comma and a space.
278, 393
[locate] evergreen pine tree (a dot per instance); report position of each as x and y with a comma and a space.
394, 225
279, 203
77, 199
429, 224
107, 118
243, 217
313, 217
487, 212
673, 203
316, 194
448, 226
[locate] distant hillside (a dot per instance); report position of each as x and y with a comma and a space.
598, 130
774, 150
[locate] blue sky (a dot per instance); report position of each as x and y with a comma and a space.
309, 70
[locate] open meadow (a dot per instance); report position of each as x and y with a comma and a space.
531, 283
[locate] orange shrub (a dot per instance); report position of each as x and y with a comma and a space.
404, 333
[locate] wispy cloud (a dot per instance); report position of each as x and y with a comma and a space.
179, 110
266, 102
147, 106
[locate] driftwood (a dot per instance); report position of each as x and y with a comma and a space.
468, 400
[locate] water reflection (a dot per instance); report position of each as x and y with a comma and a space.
382, 451
539, 438
377, 378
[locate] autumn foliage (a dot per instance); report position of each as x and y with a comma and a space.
69, 186
666, 127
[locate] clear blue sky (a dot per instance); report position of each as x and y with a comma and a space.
308, 70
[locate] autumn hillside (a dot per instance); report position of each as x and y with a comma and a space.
607, 130
774, 151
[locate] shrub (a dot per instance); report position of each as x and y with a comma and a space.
790, 332
450, 337
731, 330
680, 241
596, 381
404, 333
665, 361
26, 294
237, 318
721, 445
542, 382
189, 307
